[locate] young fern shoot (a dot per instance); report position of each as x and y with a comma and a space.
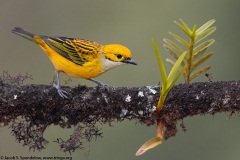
195, 52
167, 84
186, 62
167, 81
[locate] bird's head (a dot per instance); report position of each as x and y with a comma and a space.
115, 55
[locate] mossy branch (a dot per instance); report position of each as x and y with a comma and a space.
29, 109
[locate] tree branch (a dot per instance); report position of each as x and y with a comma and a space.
29, 109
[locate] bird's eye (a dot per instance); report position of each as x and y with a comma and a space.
119, 56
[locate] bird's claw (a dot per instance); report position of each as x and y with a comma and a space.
61, 92
100, 84
103, 86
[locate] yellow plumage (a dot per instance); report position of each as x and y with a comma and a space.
79, 58
91, 68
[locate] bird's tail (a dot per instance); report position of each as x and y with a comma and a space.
19, 31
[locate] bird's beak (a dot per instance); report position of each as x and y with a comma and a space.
130, 61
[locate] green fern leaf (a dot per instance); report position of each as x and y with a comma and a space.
198, 54
200, 61
200, 71
204, 34
184, 27
173, 45
179, 39
203, 45
205, 26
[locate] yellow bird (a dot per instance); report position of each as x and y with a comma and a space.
78, 57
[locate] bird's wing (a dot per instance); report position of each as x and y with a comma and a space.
76, 50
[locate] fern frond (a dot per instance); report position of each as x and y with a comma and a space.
171, 51
203, 46
180, 40
204, 34
199, 54
195, 53
205, 26
200, 61
173, 45
203, 70
184, 27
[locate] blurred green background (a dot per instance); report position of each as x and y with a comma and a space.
133, 24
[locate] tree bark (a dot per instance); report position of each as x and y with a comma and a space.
29, 109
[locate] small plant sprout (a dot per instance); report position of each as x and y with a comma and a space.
167, 83
195, 51
186, 61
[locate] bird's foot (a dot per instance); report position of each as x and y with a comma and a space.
61, 92
100, 84
103, 86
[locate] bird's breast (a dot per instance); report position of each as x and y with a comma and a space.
88, 70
